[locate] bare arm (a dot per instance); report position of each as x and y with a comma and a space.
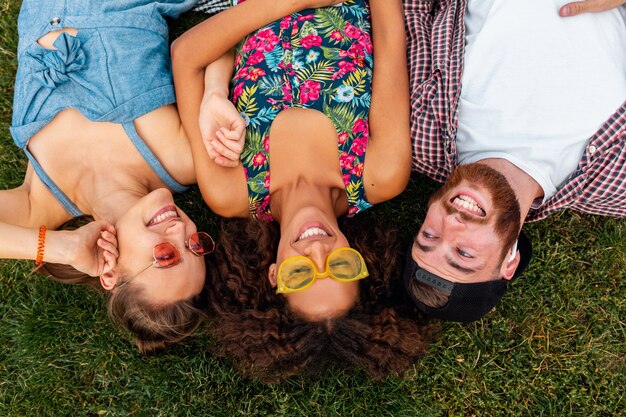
388, 161
222, 188
91, 249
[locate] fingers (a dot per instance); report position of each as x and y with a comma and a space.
578, 7
227, 146
108, 246
109, 262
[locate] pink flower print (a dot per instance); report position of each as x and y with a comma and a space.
286, 45
346, 66
258, 160
346, 179
358, 145
360, 125
310, 91
266, 181
263, 210
346, 160
336, 35
310, 41
305, 17
266, 143
237, 91
342, 138
366, 42
294, 29
245, 172
356, 51
351, 31
267, 40
242, 73
254, 73
250, 44
284, 24
255, 57
287, 93
353, 210
357, 170
238, 59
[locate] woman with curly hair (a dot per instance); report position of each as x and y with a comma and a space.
270, 341
305, 87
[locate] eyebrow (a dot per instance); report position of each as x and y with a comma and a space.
449, 260
424, 247
460, 268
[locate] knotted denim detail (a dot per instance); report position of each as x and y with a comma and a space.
53, 66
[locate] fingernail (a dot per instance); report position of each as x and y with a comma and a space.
566, 11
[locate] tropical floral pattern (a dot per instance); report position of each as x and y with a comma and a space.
319, 59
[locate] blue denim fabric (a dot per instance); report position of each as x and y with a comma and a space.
116, 69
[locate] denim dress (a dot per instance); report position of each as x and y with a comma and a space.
116, 69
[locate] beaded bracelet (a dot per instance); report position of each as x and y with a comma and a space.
41, 243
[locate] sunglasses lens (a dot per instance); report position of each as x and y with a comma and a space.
201, 243
345, 264
296, 273
166, 255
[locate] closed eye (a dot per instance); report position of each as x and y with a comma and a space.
464, 254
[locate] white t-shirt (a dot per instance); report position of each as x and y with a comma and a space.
537, 86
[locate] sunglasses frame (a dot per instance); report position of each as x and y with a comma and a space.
156, 262
281, 288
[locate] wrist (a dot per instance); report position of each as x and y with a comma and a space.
59, 247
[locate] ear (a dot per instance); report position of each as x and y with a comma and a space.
509, 266
110, 279
271, 275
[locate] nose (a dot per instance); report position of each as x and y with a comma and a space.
175, 231
318, 251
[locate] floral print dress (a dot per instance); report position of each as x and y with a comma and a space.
319, 59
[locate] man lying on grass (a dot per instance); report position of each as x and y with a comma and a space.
531, 136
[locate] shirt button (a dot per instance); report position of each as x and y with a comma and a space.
285, 38
592, 149
55, 21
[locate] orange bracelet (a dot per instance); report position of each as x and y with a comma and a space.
41, 243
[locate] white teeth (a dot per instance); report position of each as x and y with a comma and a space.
161, 217
313, 231
469, 204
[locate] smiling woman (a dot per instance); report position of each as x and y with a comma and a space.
267, 339
103, 139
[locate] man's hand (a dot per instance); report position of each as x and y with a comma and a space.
578, 7
223, 129
91, 249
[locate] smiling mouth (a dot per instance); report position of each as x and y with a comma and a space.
314, 232
468, 204
164, 214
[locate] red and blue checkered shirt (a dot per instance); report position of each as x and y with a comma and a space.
436, 44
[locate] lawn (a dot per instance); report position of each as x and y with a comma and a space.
555, 347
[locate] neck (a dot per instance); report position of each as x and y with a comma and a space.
113, 204
525, 187
288, 200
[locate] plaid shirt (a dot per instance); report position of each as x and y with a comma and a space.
436, 44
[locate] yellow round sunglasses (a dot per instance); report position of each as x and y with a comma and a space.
297, 273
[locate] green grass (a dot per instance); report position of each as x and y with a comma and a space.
555, 346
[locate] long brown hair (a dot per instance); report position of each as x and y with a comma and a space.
153, 326
254, 327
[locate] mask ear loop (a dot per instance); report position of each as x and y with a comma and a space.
513, 252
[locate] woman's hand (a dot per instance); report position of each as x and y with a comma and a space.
91, 249
578, 7
222, 128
